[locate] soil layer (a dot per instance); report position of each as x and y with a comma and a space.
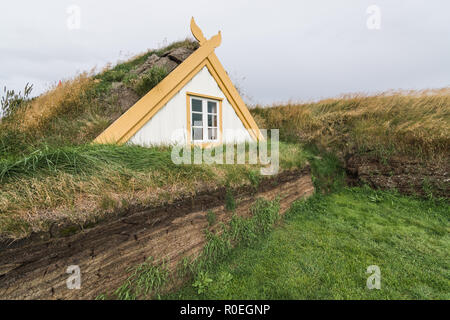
36, 268
406, 175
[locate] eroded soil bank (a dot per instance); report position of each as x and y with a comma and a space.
406, 175
37, 269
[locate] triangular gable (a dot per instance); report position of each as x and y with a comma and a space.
124, 128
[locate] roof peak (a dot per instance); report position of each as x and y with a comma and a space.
198, 34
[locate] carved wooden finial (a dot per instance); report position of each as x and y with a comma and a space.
198, 34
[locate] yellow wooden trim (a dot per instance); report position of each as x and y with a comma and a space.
227, 94
139, 114
159, 106
204, 96
223, 80
124, 128
197, 32
189, 116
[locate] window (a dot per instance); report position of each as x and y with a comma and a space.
204, 120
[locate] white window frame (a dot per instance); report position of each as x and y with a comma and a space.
205, 114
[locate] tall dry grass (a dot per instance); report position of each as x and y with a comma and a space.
69, 113
414, 123
66, 96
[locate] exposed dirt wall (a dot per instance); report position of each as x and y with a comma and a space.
406, 175
37, 269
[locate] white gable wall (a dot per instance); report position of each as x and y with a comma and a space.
168, 125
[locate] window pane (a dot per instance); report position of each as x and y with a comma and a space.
197, 105
212, 121
212, 107
197, 134
212, 134
197, 120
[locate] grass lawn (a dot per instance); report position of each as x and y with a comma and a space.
324, 246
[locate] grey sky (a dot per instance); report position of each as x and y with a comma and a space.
273, 50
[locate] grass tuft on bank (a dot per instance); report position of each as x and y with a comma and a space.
395, 123
86, 183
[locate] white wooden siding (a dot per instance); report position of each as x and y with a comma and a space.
168, 126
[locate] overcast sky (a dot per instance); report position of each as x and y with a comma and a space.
274, 51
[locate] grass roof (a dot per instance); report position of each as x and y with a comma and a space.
77, 110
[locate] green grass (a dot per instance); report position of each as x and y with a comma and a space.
148, 280
323, 249
84, 159
107, 179
150, 79
90, 158
145, 279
